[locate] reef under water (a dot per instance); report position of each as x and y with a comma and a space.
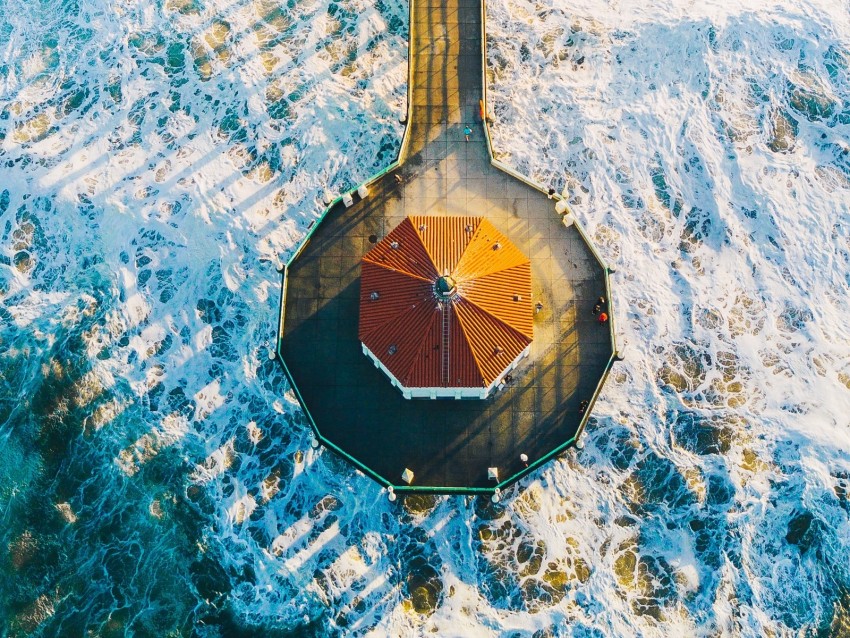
159, 161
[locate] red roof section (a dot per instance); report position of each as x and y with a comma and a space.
466, 341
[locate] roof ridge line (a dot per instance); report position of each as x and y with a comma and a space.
409, 220
472, 280
408, 311
498, 319
389, 317
461, 294
421, 238
393, 269
418, 351
471, 349
502, 237
463, 254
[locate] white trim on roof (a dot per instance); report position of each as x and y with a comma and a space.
446, 393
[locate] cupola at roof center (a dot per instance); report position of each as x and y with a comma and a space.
445, 307
445, 287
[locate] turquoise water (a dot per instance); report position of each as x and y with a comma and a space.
159, 161
153, 169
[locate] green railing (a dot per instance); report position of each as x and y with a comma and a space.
402, 154
513, 173
561, 448
607, 272
360, 466
398, 161
605, 269
486, 114
314, 225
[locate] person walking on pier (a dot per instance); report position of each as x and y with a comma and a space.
467, 132
599, 306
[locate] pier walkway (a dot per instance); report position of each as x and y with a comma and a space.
448, 444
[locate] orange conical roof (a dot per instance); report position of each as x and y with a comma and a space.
445, 302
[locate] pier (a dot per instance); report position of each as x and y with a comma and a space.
449, 445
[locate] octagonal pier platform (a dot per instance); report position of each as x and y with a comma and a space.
448, 444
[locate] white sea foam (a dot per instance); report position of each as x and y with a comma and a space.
162, 159
701, 146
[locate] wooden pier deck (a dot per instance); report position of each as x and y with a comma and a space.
448, 444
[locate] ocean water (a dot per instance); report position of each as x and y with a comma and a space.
159, 160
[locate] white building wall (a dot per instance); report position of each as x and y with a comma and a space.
446, 393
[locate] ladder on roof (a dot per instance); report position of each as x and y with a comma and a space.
445, 354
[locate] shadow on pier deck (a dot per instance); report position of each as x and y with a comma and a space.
448, 444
